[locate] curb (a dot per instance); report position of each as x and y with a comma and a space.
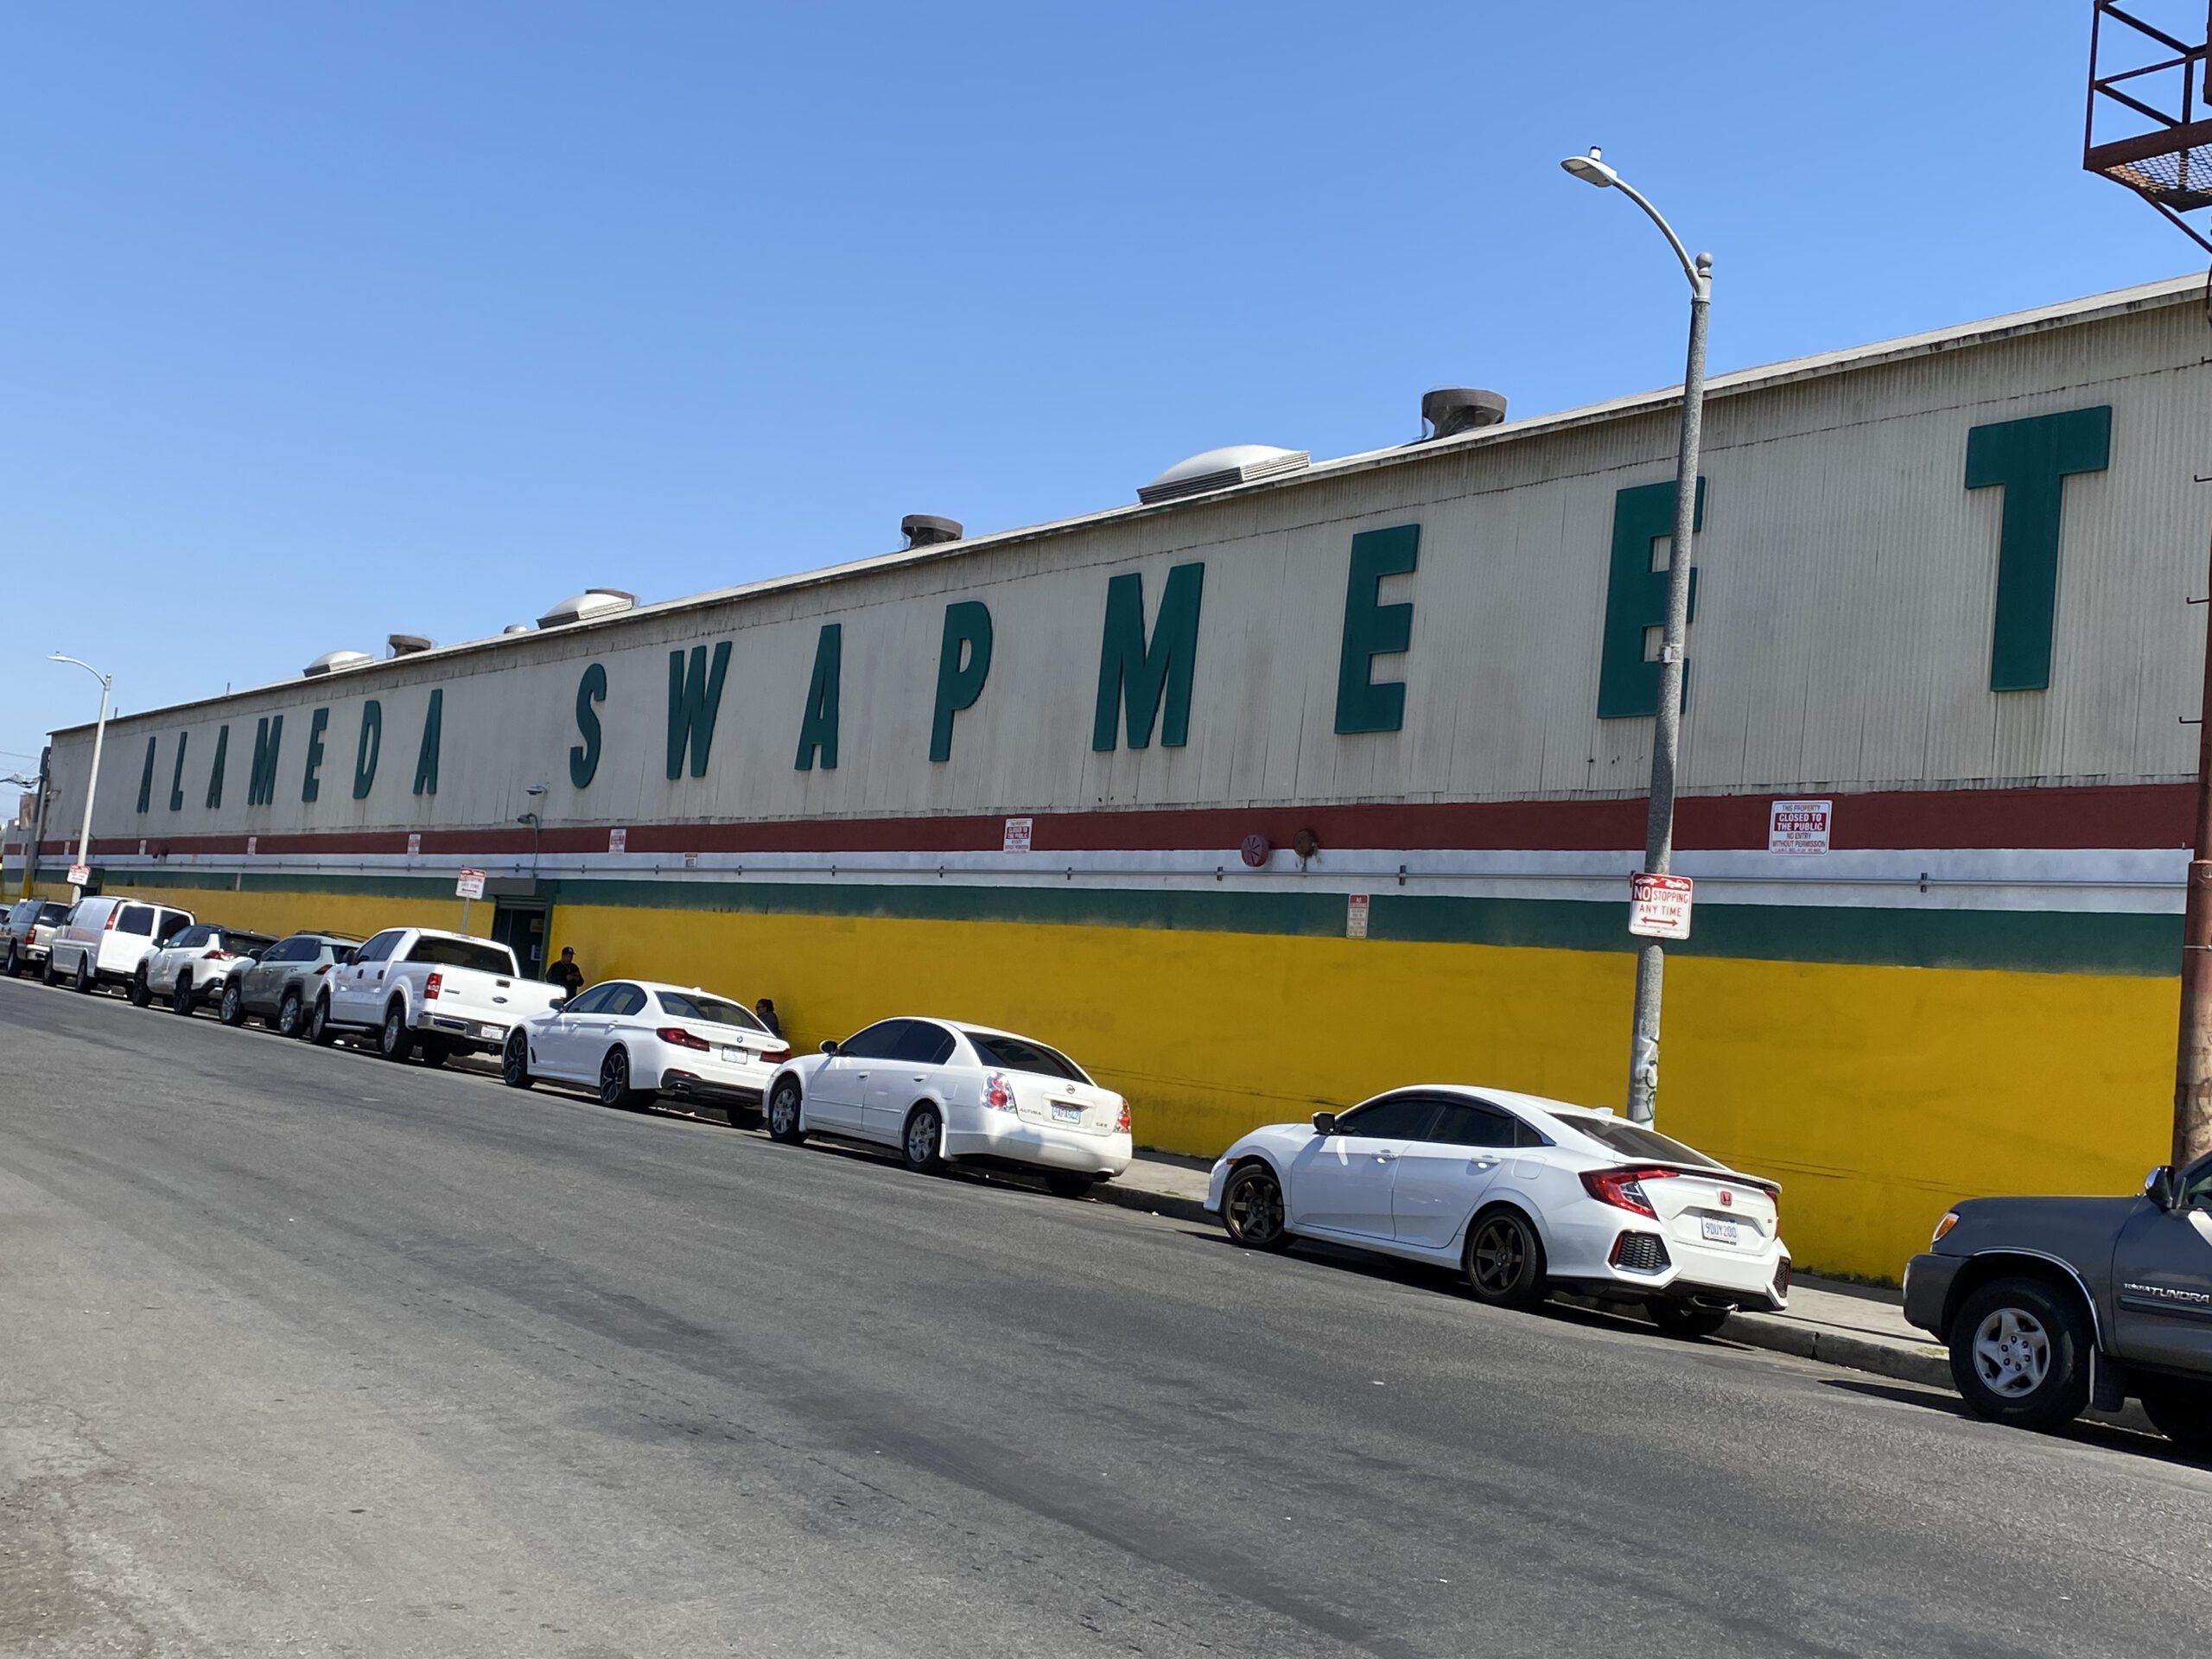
1158, 1203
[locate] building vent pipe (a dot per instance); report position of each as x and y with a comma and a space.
335, 662
513, 628
407, 645
927, 530
1450, 410
588, 607
1222, 469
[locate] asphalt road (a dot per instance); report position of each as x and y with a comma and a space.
304, 1353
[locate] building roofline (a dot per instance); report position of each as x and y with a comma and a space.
2120, 302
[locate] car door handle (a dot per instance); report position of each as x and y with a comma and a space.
1485, 1163
1386, 1157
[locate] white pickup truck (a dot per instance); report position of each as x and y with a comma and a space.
419, 989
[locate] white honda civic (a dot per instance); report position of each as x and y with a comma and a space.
635, 1040
1524, 1195
943, 1091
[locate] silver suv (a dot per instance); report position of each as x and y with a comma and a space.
26, 932
280, 987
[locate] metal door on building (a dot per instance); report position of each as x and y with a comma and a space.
520, 925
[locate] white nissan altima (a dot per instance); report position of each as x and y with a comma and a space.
634, 1040
1524, 1195
945, 1091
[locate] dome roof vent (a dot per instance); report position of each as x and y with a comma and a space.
588, 607
408, 644
335, 662
1450, 410
1222, 469
927, 530
513, 628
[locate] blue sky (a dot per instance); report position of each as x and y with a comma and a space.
318, 323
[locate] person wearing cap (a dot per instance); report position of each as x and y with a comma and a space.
565, 972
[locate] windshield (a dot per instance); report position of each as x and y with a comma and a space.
1633, 1140
698, 1005
1020, 1054
463, 953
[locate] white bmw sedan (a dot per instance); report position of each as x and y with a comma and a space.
943, 1092
634, 1040
1524, 1195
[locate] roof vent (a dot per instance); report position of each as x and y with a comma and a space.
588, 607
516, 627
927, 530
1222, 469
406, 644
335, 662
1450, 410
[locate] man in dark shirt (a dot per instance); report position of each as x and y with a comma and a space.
565, 972
766, 1012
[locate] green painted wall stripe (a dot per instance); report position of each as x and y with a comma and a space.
2025, 941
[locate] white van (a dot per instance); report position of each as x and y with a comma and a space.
105, 939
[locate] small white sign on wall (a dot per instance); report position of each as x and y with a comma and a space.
1356, 908
618, 841
1017, 835
414, 845
1800, 827
251, 842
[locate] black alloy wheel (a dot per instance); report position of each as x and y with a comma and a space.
922, 1145
1679, 1319
1506, 1259
180, 995
1252, 1208
85, 978
289, 1021
394, 1041
514, 1061
786, 1121
231, 1009
142, 989
615, 1090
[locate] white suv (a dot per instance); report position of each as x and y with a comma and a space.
191, 968
104, 940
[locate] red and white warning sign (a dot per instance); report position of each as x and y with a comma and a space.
1018, 835
1356, 908
1659, 905
1800, 827
618, 839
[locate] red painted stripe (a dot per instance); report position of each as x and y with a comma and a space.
2120, 815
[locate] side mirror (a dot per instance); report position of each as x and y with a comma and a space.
558, 1004
828, 1044
349, 958
1324, 1122
2158, 1186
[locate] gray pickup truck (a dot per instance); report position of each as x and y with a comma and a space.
2048, 1304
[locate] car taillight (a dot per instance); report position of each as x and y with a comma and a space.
998, 1092
108, 926
1121, 1124
220, 956
323, 967
775, 1056
1623, 1188
682, 1038
432, 985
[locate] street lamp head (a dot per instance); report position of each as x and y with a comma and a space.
1592, 168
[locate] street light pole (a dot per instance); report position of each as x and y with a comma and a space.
1666, 737
93, 780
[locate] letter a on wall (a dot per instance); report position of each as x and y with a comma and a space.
817, 727
2032, 459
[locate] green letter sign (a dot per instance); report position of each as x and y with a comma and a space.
1372, 630
368, 749
967, 628
426, 757
176, 778
583, 758
261, 783
1133, 674
311, 778
694, 699
2032, 459
146, 777
1635, 599
215, 772
817, 727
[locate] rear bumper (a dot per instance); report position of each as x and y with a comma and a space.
1928, 1280
690, 1085
1756, 1280
984, 1134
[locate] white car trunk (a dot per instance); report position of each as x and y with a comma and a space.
1712, 1209
1063, 1103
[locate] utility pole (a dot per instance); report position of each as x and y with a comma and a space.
92, 778
1667, 726
2129, 63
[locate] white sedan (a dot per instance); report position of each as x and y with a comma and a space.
1524, 1195
634, 1040
943, 1091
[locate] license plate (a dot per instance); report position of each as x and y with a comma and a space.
1066, 1114
1716, 1231
491, 1032
733, 1052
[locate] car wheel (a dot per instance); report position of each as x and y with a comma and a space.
1252, 1211
786, 1122
922, 1145
86, 979
47, 973
2020, 1354
288, 1022
10, 963
142, 993
394, 1041
1676, 1318
2182, 1412
231, 1009
433, 1052
1066, 1184
180, 995
614, 1088
1506, 1259
514, 1062
321, 1032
